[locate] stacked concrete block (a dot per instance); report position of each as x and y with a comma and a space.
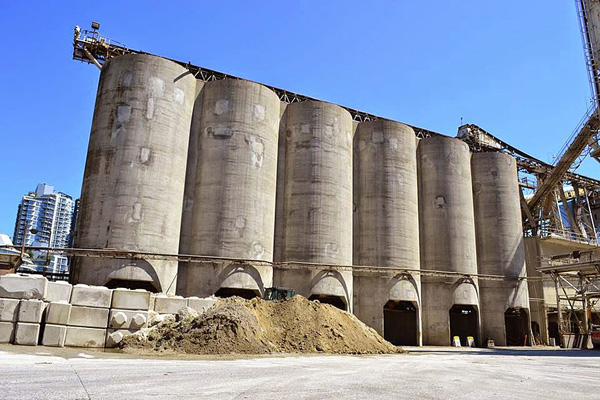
129, 314
8, 318
169, 304
7, 331
131, 299
89, 316
21, 308
57, 318
58, 291
29, 318
17, 286
201, 305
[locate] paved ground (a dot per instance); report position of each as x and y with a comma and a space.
425, 373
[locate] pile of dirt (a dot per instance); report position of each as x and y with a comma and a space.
238, 326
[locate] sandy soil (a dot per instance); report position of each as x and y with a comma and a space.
238, 326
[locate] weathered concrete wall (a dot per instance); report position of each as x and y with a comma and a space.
372, 290
235, 130
132, 192
499, 235
388, 209
386, 213
535, 286
318, 184
280, 195
205, 279
447, 233
185, 237
234, 201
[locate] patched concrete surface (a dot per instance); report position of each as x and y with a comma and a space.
425, 373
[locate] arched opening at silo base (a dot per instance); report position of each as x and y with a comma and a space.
336, 301
516, 323
243, 293
129, 284
464, 323
400, 323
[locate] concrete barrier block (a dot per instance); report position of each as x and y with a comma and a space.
58, 291
125, 299
31, 311
91, 296
85, 337
27, 334
7, 332
17, 286
89, 317
200, 305
9, 310
169, 304
114, 336
127, 319
54, 335
58, 313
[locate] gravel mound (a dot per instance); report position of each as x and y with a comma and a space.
238, 326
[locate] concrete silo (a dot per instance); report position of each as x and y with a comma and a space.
317, 204
447, 241
135, 170
234, 198
387, 229
500, 250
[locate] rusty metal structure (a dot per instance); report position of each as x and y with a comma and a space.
576, 278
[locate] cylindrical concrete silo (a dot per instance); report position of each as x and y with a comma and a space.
317, 207
387, 229
135, 171
447, 241
500, 251
234, 201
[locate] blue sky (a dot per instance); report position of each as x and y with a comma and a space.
514, 68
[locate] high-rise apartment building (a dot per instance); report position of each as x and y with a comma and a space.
44, 219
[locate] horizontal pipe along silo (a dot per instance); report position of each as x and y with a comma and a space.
500, 249
135, 171
447, 242
387, 230
317, 202
234, 199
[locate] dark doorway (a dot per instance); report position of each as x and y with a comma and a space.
516, 323
535, 331
400, 323
243, 293
463, 323
553, 332
535, 328
335, 301
127, 284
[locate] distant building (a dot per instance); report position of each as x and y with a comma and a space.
47, 213
44, 219
73, 233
